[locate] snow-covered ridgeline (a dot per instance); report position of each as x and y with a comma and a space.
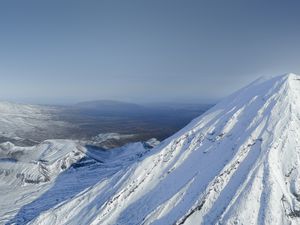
35, 179
236, 164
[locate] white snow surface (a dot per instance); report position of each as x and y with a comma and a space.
19, 119
108, 136
236, 164
42, 177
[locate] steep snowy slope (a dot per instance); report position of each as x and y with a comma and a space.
236, 164
35, 179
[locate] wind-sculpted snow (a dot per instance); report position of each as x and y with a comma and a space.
42, 177
236, 164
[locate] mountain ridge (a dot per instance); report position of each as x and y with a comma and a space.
218, 195
238, 163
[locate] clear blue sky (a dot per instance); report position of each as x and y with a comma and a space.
154, 50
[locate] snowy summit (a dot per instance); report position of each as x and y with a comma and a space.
236, 164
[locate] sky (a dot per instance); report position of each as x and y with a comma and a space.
64, 51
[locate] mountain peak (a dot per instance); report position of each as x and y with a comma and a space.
242, 154
291, 75
239, 163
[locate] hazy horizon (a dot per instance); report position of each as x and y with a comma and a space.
63, 52
66, 102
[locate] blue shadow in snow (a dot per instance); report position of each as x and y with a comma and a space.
80, 176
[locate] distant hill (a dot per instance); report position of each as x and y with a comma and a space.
21, 123
110, 106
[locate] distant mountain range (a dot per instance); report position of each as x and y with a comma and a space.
117, 107
25, 124
110, 107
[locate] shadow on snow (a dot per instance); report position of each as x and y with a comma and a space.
81, 175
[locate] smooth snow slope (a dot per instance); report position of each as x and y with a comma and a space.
236, 164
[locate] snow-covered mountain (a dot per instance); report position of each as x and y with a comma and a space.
236, 164
38, 178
